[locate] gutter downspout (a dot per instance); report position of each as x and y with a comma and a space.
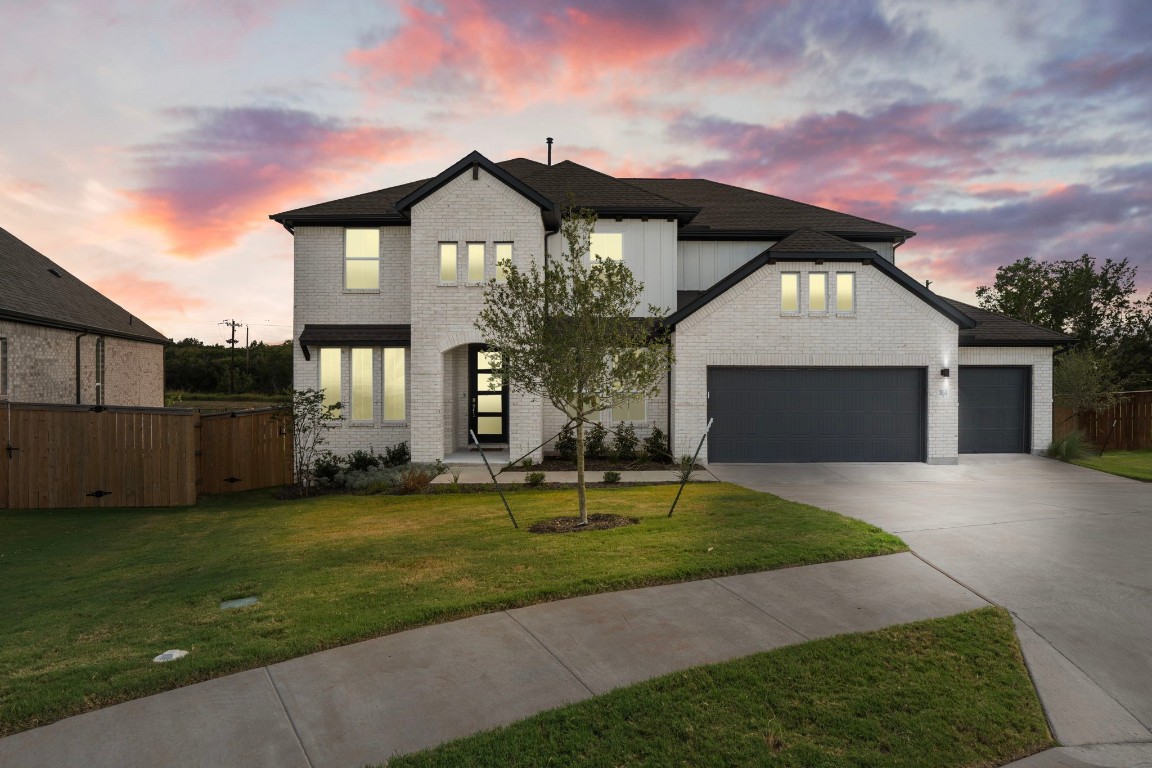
79, 400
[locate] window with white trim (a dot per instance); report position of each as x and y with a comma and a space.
790, 293
475, 262
330, 376
361, 259
448, 264
503, 261
846, 292
394, 387
817, 292
361, 384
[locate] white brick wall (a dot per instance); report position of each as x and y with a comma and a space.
1039, 359
744, 326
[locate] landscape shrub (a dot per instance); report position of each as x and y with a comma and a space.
611, 477
415, 478
372, 480
534, 479
326, 467
361, 461
566, 444
656, 446
684, 468
1070, 447
398, 455
626, 442
595, 442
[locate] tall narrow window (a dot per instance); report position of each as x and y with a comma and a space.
503, 261
330, 376
3, 367
447, 262
789, 291
475, 262
100, 371
394, 383
845, 291
362, 259
361, 384
817, 291
606, 245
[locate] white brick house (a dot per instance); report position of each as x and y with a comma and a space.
793, 328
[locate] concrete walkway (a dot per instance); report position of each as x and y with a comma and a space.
363, 703
1065, 549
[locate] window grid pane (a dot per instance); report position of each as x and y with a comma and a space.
475, 262
447, 262
790, 292
633, 410
503, 259
330, 376
394, 391
606, 245
846, 292
362, 243
361, 384
817, 292
362, 274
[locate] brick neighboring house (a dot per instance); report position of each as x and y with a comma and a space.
64, 342
793, 327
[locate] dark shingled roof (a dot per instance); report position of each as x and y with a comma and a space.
36, 290
704, 209
810, 241
726, 208
996, 330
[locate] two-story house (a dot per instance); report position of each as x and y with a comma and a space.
62, 341
793, 328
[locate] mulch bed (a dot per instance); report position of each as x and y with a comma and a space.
552, 464
598, 521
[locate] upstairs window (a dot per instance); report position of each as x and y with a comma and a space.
845, 291
330, 376
362, 259
475, 262
448, 262
606, 245
3, 367
817, 292
100, 371
790, 292
503, 261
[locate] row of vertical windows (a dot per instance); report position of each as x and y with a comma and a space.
845, 296
361, 403
476, 259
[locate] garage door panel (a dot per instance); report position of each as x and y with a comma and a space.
816, 414
995, 409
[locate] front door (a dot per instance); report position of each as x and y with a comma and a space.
488, 411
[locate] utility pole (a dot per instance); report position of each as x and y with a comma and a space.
247, 351
233, 324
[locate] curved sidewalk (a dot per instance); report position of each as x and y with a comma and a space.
363, 703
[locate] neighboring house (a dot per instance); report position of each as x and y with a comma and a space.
63, 342
793, 328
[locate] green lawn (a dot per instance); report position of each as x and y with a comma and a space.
945, 692
90, 596
1134, 464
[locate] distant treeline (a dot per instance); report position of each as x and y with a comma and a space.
192, 366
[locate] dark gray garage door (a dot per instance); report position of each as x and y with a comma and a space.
765, 415
995, 409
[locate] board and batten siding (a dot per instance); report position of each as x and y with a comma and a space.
700, 264
649, 248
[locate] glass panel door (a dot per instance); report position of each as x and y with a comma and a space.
488, 411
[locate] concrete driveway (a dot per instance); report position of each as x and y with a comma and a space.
1067, 550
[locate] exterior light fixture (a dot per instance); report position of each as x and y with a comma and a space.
945, 372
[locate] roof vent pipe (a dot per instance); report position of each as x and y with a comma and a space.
549, 140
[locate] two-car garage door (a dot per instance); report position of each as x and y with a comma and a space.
764, 415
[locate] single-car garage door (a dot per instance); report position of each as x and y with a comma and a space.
995, 409
764, 415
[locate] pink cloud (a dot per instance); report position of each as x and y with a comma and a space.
219, 179
142, 296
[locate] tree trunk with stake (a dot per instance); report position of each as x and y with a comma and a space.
581, 496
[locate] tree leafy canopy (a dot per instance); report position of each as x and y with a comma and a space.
565, 332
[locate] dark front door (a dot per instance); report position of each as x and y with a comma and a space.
766, 415
995, 409
488, 408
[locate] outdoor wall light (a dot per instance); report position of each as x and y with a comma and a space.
945, 372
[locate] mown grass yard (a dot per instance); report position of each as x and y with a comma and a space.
942, 693
91, 596
1136, 465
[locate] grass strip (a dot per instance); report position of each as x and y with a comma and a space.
933, 694
92, 595
1136, 465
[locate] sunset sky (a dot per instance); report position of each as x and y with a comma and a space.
143, 144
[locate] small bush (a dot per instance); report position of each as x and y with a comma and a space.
398, 455
361, 461
566, 444
414, 479
1070, 447
684, 468
526, 462
626, 442
373, 480
656, 446
534, 479
611, 477
594, 442
326, 467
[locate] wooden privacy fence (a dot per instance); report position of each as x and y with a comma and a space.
76, 456
1127, 426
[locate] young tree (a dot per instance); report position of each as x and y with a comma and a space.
1083, 381
311, 418
566, 333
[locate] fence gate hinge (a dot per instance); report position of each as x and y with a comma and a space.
233, 480
11, 449
99, 493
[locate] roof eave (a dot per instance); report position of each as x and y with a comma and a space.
47, 322
780, 234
